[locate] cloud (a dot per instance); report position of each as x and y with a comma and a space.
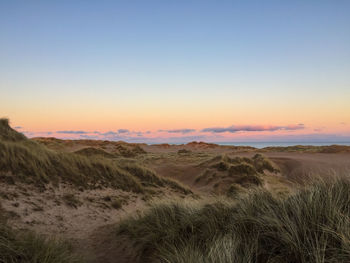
18, 127
252, 128
342, 123
305, 138
183, 131
72, 132
123, 131
109, 133
89, 137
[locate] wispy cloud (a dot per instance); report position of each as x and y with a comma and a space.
109, 133
183, 131
72, 132
89, 137
253, 128
123, 131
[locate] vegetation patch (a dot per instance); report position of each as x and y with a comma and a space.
310, 226
310, 148
150, 178
71, 200
91, 151
129, 151
248, 180
184, 152
117, 203
236, 170
30, 162
241, 169
234, 190
19, 247
8, 134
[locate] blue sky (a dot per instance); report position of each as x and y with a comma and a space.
167, 65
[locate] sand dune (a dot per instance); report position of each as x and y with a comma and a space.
86, 214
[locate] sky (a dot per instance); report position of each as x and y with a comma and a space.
177, 71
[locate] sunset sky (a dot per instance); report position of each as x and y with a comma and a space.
177, 71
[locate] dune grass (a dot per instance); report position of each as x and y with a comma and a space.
242, 165
309, 149
32, 248
150, 178
18, 247
7, 133
244, 171
95, 152
310, 226
30, 162
27, 161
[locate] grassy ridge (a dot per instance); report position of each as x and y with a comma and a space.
310, 226
30, 162
150, 178
8, 134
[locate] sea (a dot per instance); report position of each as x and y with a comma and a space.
260, 145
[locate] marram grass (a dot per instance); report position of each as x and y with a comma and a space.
310, 226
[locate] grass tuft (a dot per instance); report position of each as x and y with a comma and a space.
310, 226
150, 178
71, 200
18, 247
7, 133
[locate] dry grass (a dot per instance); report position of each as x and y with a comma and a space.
310, 226
95, 152
19, 247
150, 178
184, 152
71, 200
310, 149
30, 162
8, 134
223, 170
